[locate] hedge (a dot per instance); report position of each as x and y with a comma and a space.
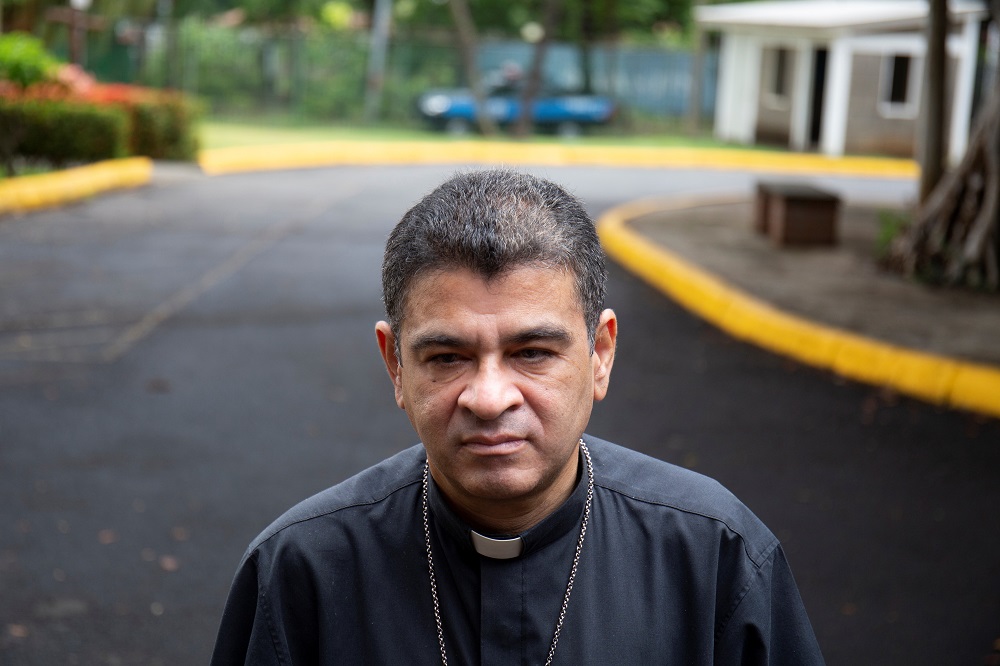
101, 125
61, 132
162, 122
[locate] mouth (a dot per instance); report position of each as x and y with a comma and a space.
495, 445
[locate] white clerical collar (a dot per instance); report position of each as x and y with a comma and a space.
497, 549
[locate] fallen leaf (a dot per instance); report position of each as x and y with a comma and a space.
17, 630
169, 563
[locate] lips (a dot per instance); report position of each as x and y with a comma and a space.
494, 444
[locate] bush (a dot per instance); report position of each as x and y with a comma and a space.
24, 60
164, 128
60, 114
162, 122
62, 132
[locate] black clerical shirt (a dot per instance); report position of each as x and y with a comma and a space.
674, 570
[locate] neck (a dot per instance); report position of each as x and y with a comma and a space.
510, 516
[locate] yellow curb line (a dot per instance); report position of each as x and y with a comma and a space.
44, 190
357, 153
52, 189
932, 378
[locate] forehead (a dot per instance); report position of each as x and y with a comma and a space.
528, 292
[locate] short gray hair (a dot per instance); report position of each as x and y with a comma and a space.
490, 222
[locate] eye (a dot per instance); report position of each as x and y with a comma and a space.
534, 354
444, 359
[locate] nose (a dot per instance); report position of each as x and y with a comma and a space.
490, 392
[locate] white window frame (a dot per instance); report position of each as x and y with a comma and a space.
909, 108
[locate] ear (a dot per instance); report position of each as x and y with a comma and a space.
605, 339
387, 347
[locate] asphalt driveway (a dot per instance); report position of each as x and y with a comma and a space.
180, 363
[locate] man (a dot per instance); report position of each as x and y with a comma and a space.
508, 536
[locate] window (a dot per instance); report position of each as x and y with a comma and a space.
898, 88
900, 79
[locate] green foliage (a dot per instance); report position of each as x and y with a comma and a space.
636, 19
319, 74
280, 11
225, 66
334, 81
63, 132
891, 223
415, 68
337, 14
24, 60
164, 128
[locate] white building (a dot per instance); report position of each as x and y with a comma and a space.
842, 76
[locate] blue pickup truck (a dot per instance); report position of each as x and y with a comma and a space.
454, 110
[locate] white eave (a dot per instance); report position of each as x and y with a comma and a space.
828, 17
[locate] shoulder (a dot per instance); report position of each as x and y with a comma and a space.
372, 486
661, 489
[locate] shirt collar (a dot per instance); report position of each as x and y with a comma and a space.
564, 520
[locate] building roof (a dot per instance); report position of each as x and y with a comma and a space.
828, 16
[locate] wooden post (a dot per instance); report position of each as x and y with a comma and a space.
932, 108
78, 23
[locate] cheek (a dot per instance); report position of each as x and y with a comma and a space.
429, 404
561, 397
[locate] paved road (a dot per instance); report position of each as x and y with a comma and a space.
180, 363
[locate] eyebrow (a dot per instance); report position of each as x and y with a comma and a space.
554, 334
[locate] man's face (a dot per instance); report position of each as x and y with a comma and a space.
498, 380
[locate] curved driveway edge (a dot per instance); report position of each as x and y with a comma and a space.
26, 193
53, 189
935, 379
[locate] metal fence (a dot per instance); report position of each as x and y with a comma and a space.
322, 74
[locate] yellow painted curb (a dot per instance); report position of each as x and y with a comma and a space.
341, 153
929, 377
52, 189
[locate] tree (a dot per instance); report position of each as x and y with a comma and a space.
468, 42
955, 236
550, 14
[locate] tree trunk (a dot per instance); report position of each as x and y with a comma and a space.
693, 123
587, 34
955, 236
525, 121
468, 43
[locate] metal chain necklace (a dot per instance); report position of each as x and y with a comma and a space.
572, 571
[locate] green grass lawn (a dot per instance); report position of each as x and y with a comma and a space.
224, 133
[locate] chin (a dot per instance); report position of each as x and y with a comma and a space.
501, 486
